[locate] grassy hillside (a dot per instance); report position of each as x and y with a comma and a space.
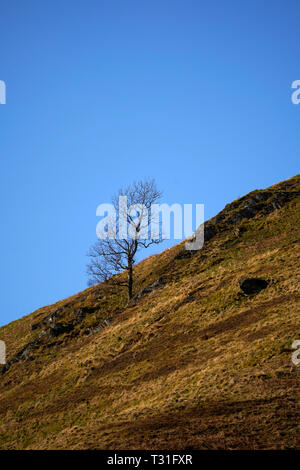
194, 363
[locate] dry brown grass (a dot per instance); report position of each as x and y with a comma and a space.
191, 365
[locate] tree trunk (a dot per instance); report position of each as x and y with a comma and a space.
130, 281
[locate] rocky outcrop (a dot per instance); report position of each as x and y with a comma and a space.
24, 354
60, 328
50, 319
252, 285
50, 328
93, 331
247, 207
150, 288
82, 312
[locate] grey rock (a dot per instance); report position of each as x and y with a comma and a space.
150, 288
93, 331
82, 312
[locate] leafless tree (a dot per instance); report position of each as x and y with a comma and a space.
114, 254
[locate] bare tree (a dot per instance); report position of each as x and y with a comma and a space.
116, 253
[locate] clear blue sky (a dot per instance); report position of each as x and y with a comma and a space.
194, 93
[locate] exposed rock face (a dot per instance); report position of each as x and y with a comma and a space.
209, 232
60, 328
150, 288
93, 331
50, 328
239, 231
23, 355
81, 313
247, 207
49, 320
252, 285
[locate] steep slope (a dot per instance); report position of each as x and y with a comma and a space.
192, 362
